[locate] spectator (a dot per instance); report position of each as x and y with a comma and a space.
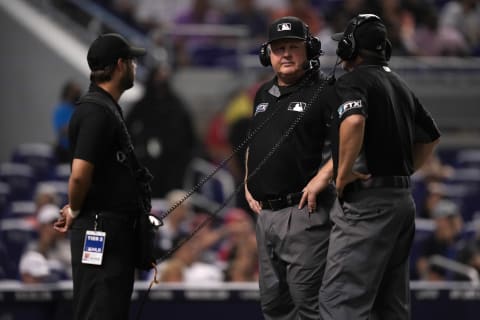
432, 39
303, 10
158, 14
399, 21
45, 194
469, 253
247, 13
34, 268
444, 241
48, 258
464, 16
435, 192
337, 18
435, 170
185, 265
62, 113
126, 11
162, 131
239, 248
176, 223
193, 49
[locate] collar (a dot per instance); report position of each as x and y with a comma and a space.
278, 91
371, 61
95, 88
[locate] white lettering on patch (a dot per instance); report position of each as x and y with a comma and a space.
262, 107
297, 106
349, 105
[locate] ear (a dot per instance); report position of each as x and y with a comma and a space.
120, 65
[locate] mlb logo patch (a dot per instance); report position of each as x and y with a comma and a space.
349, 105
286, 26
297, 106
262, 107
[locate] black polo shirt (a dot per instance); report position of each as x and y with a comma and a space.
395, 119
95, 133
300, 156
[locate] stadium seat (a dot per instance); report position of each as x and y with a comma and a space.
4, 198
21, 209
62, 172
19, 178
468, 158
15, 235
40, 156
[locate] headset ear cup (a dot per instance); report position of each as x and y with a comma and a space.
388, 50
264, 56
314, 48
346, 48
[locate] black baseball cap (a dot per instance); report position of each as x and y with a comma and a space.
287, 28
371, 34
107, 48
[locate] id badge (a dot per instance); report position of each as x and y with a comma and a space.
93, 247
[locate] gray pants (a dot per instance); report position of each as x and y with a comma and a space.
366, 275
292, 247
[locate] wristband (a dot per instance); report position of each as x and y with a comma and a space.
73, 213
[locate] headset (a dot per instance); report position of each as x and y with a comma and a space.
347, 49
313, 45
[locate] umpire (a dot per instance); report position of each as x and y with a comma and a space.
382, 134
292, 239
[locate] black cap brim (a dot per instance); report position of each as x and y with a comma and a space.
137, 52
337, 36
286, 37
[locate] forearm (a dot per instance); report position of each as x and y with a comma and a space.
350, 144
421, 152
246, 166
326, 171
79, 183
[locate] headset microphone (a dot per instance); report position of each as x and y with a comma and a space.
311, 64
331, 77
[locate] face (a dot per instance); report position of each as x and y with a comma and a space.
129, 75
288, 57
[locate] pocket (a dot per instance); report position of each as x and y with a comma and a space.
318, 219
365, 211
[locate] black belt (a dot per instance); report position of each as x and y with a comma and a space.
125, 216
400, 182
281, 202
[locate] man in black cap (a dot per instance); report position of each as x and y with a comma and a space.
103, 200
381, 135
291, 192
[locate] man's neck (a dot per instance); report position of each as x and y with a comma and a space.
288, 80
112, 89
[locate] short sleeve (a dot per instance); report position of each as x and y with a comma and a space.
353, 98
426, 129
94, 136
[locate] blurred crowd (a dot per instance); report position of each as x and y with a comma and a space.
447, 240
162, 129
223, 246
416, 27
